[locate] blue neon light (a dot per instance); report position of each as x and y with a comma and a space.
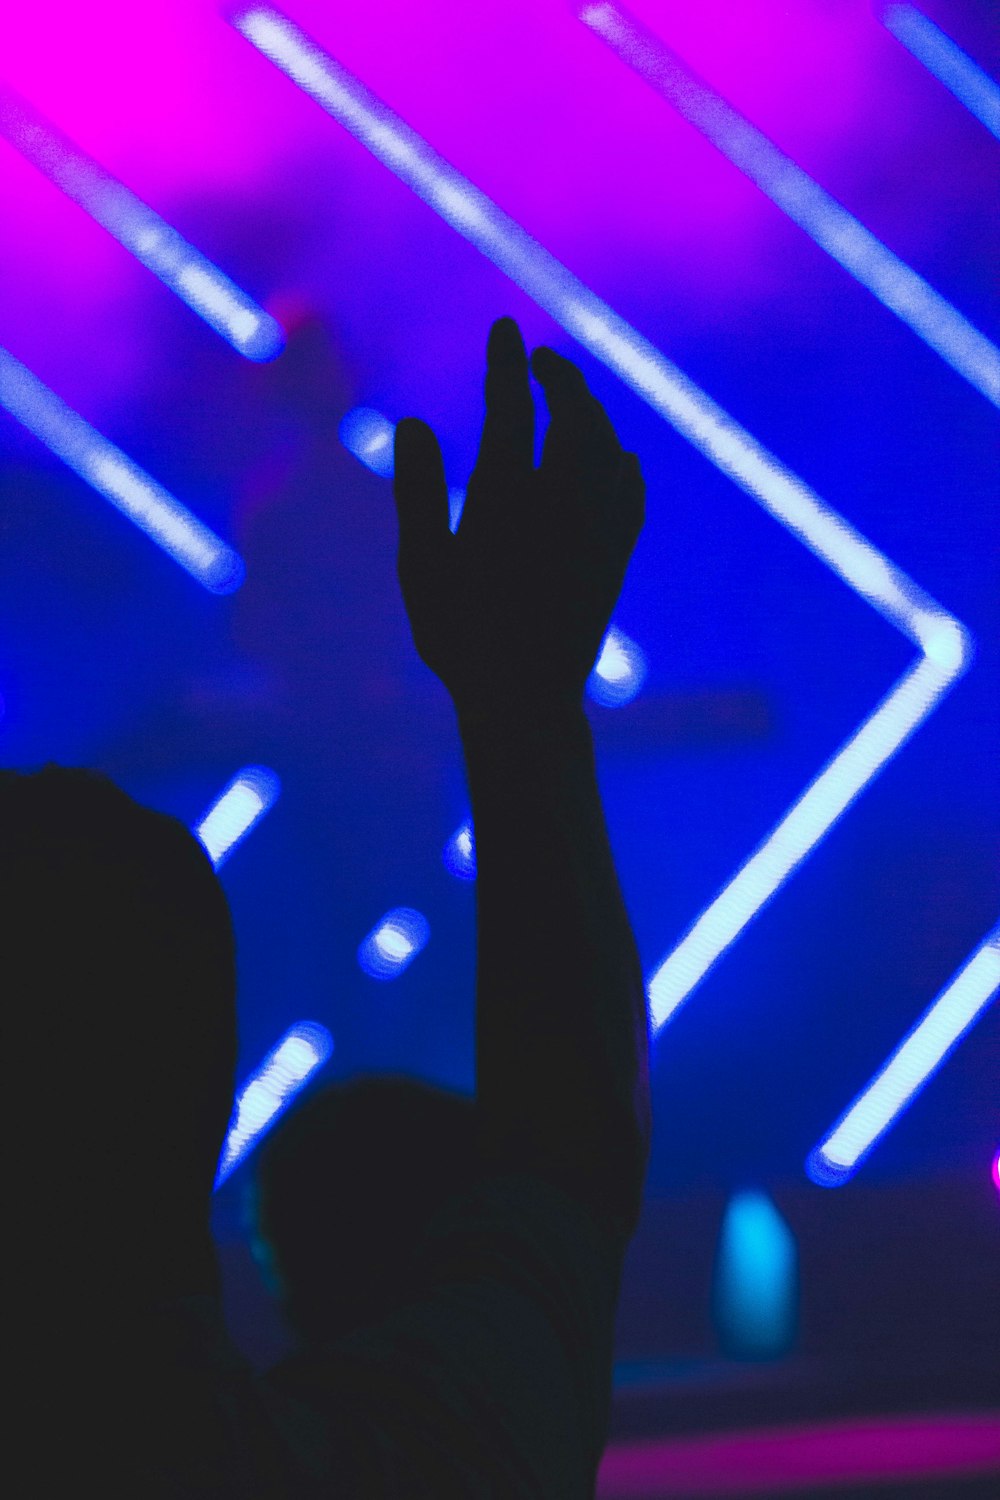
914, 1062
756, 1280
460, 852
188, 273
269, 1090
946, 647
942, 57
370, 437
619, 672
236, 811
826, 221
394, 943
109, 471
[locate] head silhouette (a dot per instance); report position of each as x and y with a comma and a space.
119, 1039
345, 1186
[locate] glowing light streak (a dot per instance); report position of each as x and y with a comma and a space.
619, 672
236, 811
370, 436
896, 285
113, 474
460, 852
270, 1089
945, 645
756, 1276
393, 945
946, 60
188, 273
912, 1065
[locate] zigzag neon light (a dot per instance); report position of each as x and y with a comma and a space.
946, 648
270, 1089
910, 1068
826, 221
112, 474
188, 273
942, 57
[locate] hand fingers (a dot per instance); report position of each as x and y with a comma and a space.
419, 487
507, 446
581, 440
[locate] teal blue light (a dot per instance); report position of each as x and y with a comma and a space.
756, 1280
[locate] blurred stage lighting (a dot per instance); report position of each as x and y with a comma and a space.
945, 645
619, 672
393, 945
460, 852
826, 221
911, 1066
236, 811
270, 1089
755, 1293
109, 471
370, 437
182, 268
942, 57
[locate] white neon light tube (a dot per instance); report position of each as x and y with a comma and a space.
945, 59
944, 643
896, 285
236, 811
270, 1089
910, 1068
109, 471
188, 273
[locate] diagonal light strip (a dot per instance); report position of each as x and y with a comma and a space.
270, 1089
944, 643
896, 285
109, 471
946, 60
188, 273
236, 811
911, 1066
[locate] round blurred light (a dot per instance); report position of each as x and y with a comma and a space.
460, 853
393, 945
620, 671
370, 437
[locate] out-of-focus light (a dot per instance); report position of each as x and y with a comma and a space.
996, 1171
270, 1089
237, 810
878, 739
456, 504
188, 273
911, 1066
756, 1280
109, 471
393, 945
460, 853
369, 436
839, 233
942, 57
710, 429
620, 671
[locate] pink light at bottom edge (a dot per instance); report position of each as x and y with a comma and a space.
776, 1460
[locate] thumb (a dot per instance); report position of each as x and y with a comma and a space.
419, 487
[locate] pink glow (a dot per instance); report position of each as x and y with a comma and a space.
775, 1461
996, 1171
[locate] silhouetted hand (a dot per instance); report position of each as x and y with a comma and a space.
510, 611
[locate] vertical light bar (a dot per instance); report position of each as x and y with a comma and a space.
946, 60
188, 273
910, 1068
843, 237
943, 641
109, 471
270, 1089
755, 1293
236, 811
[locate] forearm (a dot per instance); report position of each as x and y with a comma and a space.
562, 1037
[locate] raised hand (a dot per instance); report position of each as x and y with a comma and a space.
510, 611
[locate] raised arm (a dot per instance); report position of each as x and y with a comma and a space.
510, 612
